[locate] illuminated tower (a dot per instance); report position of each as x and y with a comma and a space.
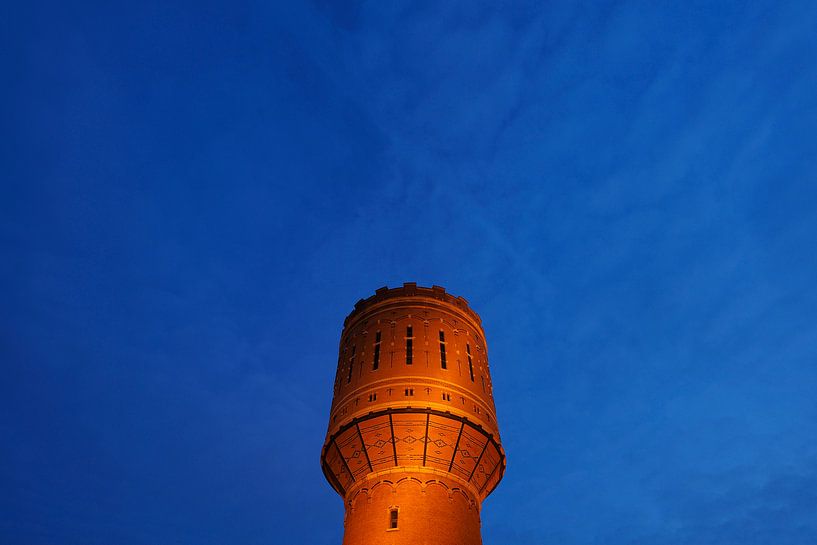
413, 444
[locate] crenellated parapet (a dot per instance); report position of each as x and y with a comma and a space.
411, 289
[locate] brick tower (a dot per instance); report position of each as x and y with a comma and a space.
413, 444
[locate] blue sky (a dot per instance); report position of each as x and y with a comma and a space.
195, 195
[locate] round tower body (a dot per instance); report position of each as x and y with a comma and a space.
413, 445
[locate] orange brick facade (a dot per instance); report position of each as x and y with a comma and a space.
413, 445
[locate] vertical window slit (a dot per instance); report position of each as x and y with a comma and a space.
443, 363
351, 366
376, 362
409, 342
470, 362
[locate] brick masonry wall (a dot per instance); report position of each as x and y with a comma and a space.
430, 512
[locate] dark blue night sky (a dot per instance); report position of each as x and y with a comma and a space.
195, 195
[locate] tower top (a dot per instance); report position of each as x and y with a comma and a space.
411, 289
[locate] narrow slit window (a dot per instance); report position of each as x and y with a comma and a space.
393, 519
409, 392
409, 342
376, 362
470, 362
443, 363
351, 366
337, 373
482, 378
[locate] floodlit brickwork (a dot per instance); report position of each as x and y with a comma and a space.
413, 444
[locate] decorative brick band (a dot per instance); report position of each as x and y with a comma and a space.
393, 485
413, 437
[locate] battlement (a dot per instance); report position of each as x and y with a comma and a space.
411, 289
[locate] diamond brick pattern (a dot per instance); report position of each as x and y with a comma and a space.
373, 448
